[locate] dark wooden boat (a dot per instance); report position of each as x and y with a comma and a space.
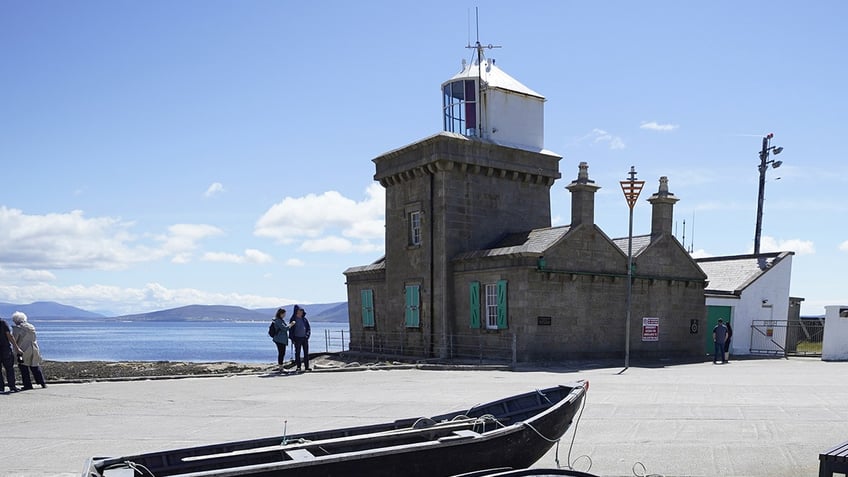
511, 433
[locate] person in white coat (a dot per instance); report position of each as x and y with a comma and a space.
30, 358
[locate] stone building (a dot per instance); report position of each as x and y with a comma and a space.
473, 267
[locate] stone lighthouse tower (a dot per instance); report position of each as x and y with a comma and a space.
485, 175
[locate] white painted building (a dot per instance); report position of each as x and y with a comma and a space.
752, 293
835, 342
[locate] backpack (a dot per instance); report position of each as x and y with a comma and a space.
272, 330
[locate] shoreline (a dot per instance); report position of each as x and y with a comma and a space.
69, 371
92, 370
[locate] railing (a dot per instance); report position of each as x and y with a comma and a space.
782, 337
335, 340
479, 348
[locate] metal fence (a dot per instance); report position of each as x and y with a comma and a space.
459, 347
334, 340
784, 338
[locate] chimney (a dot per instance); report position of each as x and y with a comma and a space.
662, 213
582, 197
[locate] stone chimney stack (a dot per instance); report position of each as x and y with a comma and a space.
662, 213
582, 197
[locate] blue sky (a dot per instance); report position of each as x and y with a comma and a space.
158, 154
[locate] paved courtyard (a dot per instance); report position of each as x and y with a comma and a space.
748, 418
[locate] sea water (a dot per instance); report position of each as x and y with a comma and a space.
195, 341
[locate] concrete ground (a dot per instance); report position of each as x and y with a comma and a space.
748, 418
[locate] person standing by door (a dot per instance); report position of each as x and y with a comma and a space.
299, 332
719, 340
727, 343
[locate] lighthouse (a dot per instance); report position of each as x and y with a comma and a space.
485, 102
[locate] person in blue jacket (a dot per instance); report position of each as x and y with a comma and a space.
299, 332
281, 337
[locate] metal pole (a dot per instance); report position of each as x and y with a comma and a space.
764, 153
631, 188
629, 290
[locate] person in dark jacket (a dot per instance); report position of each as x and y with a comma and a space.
719, 340
8, 349
281, 337
299, 332
727, 343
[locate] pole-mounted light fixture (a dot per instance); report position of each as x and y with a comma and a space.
763, 167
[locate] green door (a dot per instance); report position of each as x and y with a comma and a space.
713, 315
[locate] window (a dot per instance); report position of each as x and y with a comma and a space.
491, 305
459, 101
412, 313
496, 305
415, 228
367, 308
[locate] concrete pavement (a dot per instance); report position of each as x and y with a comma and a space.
748, 418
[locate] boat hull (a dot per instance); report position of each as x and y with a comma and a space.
513, 432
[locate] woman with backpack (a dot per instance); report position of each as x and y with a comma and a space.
279, 332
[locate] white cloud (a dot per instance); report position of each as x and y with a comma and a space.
295, 262
68, 240
700, 253
654, 126
800, 247
844, 246
249, 256
319, 222
34, 244
213, 189
600, 136
182, 239
338, 245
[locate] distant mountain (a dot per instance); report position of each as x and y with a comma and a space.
46, 310
317, 312
197, 313
326, 312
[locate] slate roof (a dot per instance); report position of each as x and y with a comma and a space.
640, 242
533, 242
379, 264
537, 241
732, 274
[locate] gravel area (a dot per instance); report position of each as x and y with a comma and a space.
59, 371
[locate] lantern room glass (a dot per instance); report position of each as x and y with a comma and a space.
459, 103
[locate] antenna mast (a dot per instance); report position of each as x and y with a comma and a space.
478, 47
692, 240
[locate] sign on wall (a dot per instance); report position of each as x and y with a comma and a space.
650, 329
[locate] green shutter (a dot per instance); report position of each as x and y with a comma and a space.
502, 304
412, 307
367, 308
474, 303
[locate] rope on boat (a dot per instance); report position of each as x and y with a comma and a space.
540, 393
137, 468
571, 463
644, 469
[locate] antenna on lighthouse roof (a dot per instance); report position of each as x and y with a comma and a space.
478, 47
